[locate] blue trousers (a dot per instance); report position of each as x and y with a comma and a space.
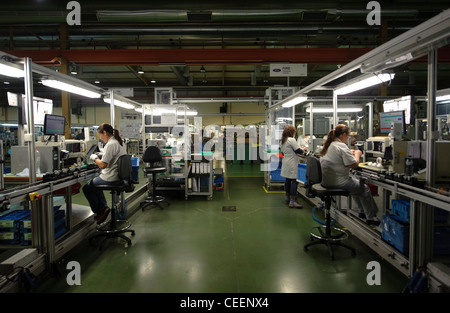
94, 196
290, 186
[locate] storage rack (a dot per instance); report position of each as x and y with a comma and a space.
200, 179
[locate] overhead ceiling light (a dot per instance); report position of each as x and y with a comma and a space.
363, 82
96, 81
294, 101
139, 70
70, 88
120, 103
202, 69
73, 69
330, 110
10, 70
153, 81
442, 95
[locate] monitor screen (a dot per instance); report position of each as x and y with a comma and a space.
54, 124
389, 118
93, 149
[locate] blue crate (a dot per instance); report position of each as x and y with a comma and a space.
302, 172
14, 219
135, 173
401, 208
395, 231
135, 169
134, 162
276, 175
10, 237
24, 236
58, 215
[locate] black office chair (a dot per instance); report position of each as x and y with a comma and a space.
315, 189
152, 155
117, 227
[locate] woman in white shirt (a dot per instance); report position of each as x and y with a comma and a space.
289, 165
109, 171
336, 161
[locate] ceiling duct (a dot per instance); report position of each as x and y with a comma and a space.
201, 16
314, 15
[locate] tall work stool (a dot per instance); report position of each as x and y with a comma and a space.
315, 189
152, 155
116, 227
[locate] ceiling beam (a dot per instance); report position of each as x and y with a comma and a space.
193, 56
203, 56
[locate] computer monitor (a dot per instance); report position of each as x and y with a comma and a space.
389, 118
93, 149
54, 124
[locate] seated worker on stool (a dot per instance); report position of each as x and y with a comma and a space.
336, 161
108, 163
289, 164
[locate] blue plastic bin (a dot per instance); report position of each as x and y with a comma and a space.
302, 172
401, 208
135, 169
276, 175
14, 219
396, 232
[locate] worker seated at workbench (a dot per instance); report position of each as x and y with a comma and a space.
336, 161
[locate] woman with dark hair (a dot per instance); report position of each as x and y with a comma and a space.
336, 161
113, 149
289, 165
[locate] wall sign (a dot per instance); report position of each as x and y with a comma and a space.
287, 69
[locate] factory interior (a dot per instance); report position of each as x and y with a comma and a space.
200, 94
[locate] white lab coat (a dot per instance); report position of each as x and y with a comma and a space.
289, 162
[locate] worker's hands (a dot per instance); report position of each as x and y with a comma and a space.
357, 153
93, 156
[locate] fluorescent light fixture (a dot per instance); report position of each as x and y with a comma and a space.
443, 95
294, 101
120, 103
400, 59
330, 110
70, 88
218, 100
363, 82
11, 71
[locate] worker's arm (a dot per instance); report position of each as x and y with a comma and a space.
357, 154
99, 162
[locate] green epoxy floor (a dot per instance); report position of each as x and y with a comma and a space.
192, 246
